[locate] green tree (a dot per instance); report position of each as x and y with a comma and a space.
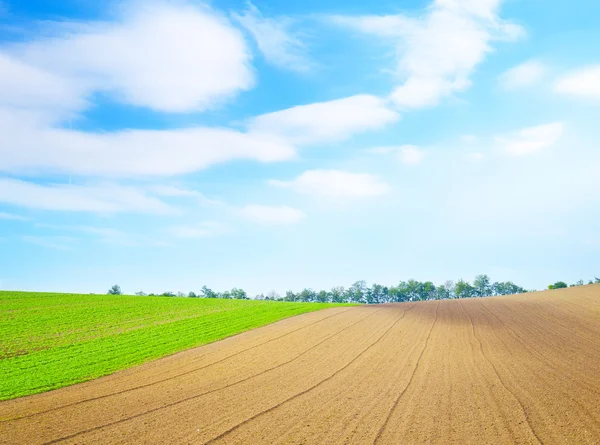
115, 290
357, 292
192, 295
238, 294
481, 286
464, 289
338, 295
558, 285
208, 293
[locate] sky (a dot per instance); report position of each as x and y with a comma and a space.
270, 145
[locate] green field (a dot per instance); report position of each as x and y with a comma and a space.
48, 341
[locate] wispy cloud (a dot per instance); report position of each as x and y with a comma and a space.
51, 242
335, 184
583, 83
102, 198
326, 121
531, 140
276, 41
437, 51
523, 75
407, 154
13, 217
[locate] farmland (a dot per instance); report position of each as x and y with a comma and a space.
52, 340
517, 369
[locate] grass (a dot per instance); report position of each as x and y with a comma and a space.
49, 340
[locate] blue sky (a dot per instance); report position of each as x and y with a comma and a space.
277, 145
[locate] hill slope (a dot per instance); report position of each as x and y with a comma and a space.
519, 369
52, 340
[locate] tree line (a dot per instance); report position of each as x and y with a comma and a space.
359, 292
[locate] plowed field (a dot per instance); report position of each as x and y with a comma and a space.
502, 370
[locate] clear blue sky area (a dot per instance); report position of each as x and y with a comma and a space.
274, 145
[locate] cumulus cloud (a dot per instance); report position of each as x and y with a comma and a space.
326, 121
103, 199
159, 55
531, 140
437, 51
583, 83
274, 38
271, 215
523, 75
335, 184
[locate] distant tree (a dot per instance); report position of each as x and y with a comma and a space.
208, 293
238, 294
180, 294
115, 290
192, 295
141, 294
377, 294
596, 280
323, 296
445, 291
337, 294
273, 295
357, 292
578, 283
290, 296
463, 289
167, 294
481, 286
226, 295
558, 285
307, 295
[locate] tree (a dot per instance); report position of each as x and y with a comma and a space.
445, 291
337, 294
464, 289
141, 293
115, 290
357, 292
192, 295
290, 296
180, 294
377, 294
167, 294
481, 286
558, 285
238, 294
208, 293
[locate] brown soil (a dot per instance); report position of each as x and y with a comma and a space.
506, 370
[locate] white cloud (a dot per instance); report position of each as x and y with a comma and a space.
335, 184
275, 40
584, 83
103, 199
437, 51
13, 217
51, 242
33, 149
523, 75
32, 146
407, 154
164, 56
326, 121
531, 140
271, 215
205, 229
